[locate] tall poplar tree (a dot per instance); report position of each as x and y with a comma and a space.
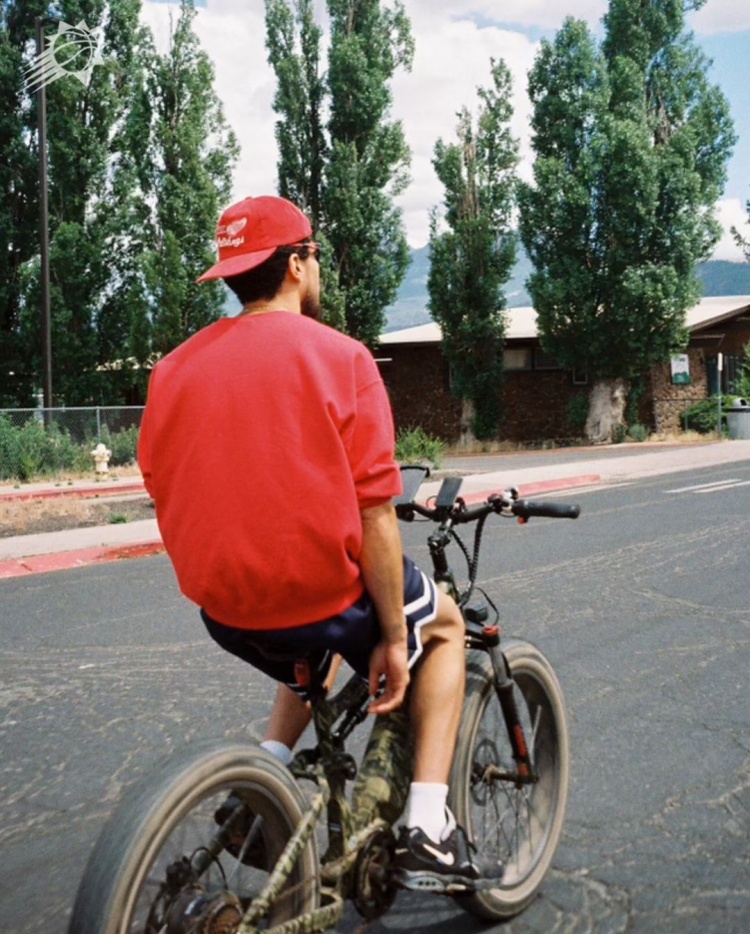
19, 236
743, 242
187, 180
81, 120
632, 142
139, 164
340, 156
472, 259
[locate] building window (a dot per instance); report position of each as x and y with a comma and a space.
517, 358
580, 378
544, 361
730, 374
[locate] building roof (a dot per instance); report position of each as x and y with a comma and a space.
715, 310
521, 322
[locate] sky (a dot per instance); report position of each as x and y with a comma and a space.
455, 40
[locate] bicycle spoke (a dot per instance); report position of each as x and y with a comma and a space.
511, 820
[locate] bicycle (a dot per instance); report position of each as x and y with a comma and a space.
223, 840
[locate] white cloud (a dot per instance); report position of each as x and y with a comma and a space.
447, 71
719, 16
731, 213
537, 14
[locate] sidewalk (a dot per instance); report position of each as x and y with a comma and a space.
533, 473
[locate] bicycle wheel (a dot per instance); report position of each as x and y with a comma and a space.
518, 824
151, 869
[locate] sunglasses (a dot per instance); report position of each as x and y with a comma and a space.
311, 249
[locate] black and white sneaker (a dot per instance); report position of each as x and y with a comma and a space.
448, 867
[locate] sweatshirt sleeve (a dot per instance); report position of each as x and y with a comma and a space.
377, 477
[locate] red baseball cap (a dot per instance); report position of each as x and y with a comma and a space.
249, 232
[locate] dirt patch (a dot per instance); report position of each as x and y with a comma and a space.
55, 515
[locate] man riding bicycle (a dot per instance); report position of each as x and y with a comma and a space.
267, 446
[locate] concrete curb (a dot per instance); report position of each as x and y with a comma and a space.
83, 557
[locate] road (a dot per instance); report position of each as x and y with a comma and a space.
642, 605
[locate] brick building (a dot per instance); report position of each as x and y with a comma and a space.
536, 393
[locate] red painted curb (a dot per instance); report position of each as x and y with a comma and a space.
550, 486
67, 560
534, 489
88, 492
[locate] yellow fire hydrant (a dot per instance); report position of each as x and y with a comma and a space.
101, 455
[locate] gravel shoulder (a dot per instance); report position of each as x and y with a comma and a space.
56, 515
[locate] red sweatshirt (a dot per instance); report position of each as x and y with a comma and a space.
263, 438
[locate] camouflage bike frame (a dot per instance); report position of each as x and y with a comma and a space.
360, 840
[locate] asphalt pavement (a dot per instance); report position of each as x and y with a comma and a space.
533, 473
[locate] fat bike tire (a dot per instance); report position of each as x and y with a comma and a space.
170, 815
518, 824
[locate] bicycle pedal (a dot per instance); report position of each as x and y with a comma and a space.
430, 883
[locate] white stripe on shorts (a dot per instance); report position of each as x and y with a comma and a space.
429, 595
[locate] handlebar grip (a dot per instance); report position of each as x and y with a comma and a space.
526, 508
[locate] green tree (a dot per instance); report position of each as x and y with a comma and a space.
81, 123
19, 206
472, 259
139, 164
743, 242
743, 383
340, 156
124, 331
293, 42
188, 179
632, 143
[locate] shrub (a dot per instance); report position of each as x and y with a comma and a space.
33, 454
414, 445
9, 452
123, 444
33, 449
702, 416
638, 433
743, 383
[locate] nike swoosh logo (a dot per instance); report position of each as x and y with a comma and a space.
447, 859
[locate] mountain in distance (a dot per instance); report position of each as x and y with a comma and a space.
719, 277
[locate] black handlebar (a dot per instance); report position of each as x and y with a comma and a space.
461, 514
524, 509
449, 510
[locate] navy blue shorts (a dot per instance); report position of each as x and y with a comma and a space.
352, 634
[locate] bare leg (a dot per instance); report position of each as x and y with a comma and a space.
289, 717
290, 714
438, 693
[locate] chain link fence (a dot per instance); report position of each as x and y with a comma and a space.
43, 442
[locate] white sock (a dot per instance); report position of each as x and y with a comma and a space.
427, 810
283, 753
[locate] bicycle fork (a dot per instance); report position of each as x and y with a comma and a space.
525, 774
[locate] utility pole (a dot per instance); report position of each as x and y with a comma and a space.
719, 368
41, 97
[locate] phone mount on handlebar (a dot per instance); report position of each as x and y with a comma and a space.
412, 477
447, 496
